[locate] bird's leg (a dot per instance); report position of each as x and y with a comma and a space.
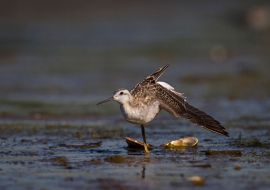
144, 140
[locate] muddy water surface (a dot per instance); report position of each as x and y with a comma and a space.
86, 153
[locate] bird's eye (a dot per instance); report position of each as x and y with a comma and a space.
121, 93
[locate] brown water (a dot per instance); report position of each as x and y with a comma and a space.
56, 63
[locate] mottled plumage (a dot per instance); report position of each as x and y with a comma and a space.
141, 104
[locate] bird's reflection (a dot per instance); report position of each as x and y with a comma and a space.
143, 171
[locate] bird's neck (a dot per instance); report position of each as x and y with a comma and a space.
129, 102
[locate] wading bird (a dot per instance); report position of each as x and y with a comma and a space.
141, 104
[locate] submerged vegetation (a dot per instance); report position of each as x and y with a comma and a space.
252, 142
224, 152
79, 131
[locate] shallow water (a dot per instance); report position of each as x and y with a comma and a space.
95, 155
56, 64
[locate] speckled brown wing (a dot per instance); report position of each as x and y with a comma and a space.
177, 106
147, 86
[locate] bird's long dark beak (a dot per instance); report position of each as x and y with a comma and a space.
109, 99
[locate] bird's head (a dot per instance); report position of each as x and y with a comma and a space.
121, 96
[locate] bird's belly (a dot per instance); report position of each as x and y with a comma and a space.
140, 116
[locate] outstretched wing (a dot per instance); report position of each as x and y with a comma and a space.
175, 104
147, 86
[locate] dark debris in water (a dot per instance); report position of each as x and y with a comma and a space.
60, 161
5, 152
251, 142
116, 159
202, 165
82, 146
237, 167
223, 152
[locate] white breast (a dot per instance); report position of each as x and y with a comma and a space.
141, 114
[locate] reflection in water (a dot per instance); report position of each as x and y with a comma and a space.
143, 172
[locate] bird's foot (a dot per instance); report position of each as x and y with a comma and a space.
145, 148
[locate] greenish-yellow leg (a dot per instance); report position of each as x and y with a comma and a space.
144, 140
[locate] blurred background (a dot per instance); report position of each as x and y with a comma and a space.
62, 57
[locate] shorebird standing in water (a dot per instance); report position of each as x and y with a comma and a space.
141, 104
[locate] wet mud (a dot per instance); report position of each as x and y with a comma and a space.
46, 156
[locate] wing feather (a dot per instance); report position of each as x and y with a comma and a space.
174, 102
177, 106
147, 85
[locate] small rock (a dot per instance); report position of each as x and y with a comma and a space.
237, 167
196, 180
